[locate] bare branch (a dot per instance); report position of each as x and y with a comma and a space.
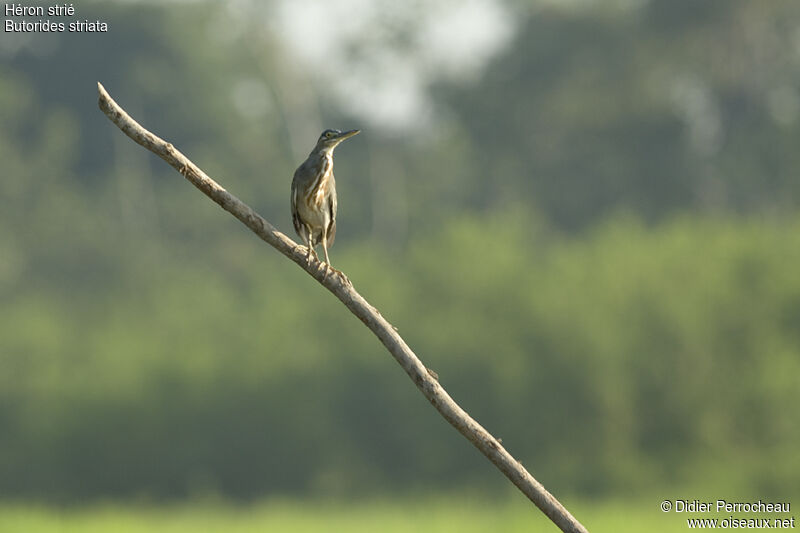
425, 380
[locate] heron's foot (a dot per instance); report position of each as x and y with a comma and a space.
309, 254
327, 268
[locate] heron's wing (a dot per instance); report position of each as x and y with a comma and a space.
298, 224
332, 206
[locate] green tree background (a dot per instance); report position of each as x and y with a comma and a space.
593, 239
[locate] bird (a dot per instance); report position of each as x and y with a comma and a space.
314, 201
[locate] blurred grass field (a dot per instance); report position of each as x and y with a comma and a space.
438, 515
435, 513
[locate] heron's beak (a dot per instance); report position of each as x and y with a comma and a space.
348, 134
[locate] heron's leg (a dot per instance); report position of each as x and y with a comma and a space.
327, 259
325, 249
328, 264
311, 251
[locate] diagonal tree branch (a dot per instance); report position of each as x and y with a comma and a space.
425, 380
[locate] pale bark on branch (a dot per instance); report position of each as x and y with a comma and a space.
425, 380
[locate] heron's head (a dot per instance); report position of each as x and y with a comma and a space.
330, 138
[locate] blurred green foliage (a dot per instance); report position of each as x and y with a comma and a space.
596, 250
625, 358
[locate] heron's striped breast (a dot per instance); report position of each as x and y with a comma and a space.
315, 194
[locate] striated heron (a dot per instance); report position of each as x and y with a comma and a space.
314, 195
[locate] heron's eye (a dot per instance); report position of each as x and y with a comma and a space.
328, 134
